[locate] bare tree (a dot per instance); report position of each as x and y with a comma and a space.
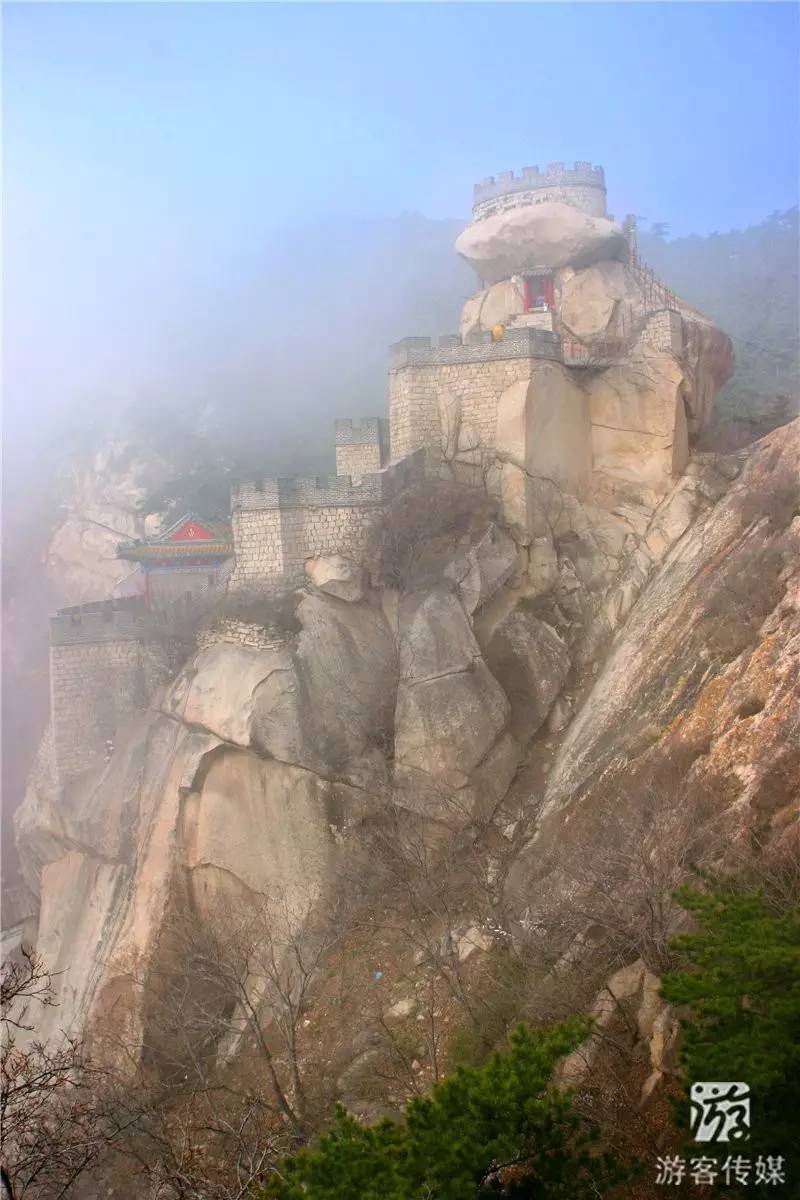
419, 522
239, 982
53, 1115
618, 893
216, 1094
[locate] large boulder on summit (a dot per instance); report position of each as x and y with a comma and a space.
548, 235
603, 300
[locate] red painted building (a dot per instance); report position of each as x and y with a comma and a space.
186, 566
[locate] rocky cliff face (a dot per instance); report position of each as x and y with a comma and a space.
672, 635
640, 371
102, 508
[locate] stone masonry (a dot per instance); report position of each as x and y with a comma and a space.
583, 186
416, 391
544, 399
278, 523
362, 447
106, 660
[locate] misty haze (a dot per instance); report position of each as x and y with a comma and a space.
401, 746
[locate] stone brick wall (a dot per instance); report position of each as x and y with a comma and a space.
273, 545
582, 186
106, 661
310, 532
664, 331
258, 542
414, 393
358, 460
94, 687
361, 446
240, 633
195, 588
279, 523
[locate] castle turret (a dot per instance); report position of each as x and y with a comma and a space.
362, 446
583, 186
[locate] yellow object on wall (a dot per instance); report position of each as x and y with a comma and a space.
497, 332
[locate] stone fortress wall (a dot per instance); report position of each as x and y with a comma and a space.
106, 661
362, 447
582, 186
279, 523
416, 391
541, 402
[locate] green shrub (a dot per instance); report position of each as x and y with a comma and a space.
499, 1129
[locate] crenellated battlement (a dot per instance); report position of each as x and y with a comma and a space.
363, 431
326, 491
524, 342
583, 186
124, 620
362, 446
279, 523
583, 174
311, 491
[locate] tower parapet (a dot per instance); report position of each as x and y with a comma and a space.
280, 522
583, 186
362, 446
106, 660
124, 620
452, 350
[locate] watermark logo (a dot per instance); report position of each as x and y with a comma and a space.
720, 1112
674, 1169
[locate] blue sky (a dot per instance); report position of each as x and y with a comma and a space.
268, 113
148, 148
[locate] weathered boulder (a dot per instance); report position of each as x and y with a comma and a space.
217, 689
638, 417
708, 359
323, 702
176, 812
544, 441
102, 509
336, 576
230, 837
492, 306
450, 710
651, 675
603, 300
628, 1009
542, 565
550, 234
480, 569
531, 662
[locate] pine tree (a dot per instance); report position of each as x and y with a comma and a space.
742, 989
500, 1129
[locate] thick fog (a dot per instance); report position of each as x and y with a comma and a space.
217, 217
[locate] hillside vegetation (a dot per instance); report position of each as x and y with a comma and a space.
746, 280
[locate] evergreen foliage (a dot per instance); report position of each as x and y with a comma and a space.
499, 1129
747, 281
742, 988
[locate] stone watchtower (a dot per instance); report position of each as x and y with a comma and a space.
583, 186
572, 361
361, 446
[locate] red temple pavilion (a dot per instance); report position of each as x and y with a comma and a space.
186, 566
